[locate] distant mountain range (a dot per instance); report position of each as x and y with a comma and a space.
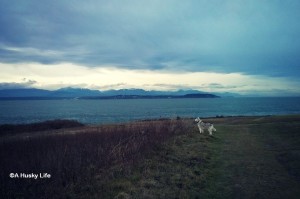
70, 92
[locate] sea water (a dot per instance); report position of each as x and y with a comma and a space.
123, 110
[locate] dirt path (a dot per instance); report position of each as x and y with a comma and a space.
249, 167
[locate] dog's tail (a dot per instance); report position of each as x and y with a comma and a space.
213, 128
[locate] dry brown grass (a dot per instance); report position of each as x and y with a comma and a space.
12, 129
74, 158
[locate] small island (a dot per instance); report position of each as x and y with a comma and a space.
204, 95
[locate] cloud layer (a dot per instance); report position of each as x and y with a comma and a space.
257, 39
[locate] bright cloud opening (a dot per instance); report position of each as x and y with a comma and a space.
56, 76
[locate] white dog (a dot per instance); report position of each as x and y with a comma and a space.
202, 126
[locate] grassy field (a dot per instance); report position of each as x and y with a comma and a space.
248, 157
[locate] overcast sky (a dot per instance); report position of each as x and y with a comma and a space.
236, 46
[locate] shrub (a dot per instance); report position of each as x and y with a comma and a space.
40, 126
75, 159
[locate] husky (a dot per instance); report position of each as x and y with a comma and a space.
202, 126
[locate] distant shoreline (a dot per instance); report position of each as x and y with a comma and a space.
66, 121
120, 97
117, 97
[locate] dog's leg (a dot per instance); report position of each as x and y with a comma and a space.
210, 130
200, 129
213, 128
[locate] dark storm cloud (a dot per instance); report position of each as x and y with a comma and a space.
27, 83
254, 37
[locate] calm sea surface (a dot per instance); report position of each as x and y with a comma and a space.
111, 111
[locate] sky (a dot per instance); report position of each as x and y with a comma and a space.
245, 47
